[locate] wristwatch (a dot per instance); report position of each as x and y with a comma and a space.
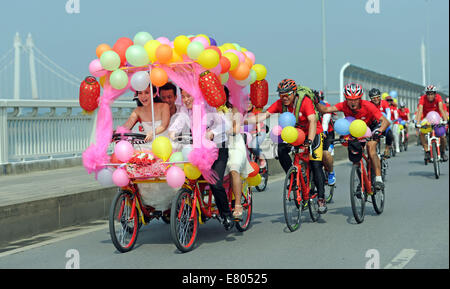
308, 142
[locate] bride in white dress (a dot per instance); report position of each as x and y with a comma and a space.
159, 196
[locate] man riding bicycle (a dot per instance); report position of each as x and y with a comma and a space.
361, 109
307, 121
383, 106
431, 101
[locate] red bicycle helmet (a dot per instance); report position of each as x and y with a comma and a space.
286, 85
353, 91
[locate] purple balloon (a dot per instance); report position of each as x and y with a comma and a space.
275, 138
350, 119
213, 41
439, 131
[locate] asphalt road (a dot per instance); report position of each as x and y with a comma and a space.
412, 232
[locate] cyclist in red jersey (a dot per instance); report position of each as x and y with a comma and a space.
361, 109
306, 120
404, 113
383, 106
431, 101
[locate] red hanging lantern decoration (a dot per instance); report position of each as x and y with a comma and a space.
212, 89
89, 94
259, 93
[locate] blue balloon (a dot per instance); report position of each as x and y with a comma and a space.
342, 126
403, 122
286, 119
393, 93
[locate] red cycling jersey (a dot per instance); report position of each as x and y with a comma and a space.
403, 113
382, 106
393, 109
430, 106
368, 111
306, 110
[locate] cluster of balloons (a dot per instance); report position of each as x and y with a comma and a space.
351, 126
286, 130
226, 60
392, 93
432, 118
254, 178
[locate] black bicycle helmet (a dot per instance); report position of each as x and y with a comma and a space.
374, 92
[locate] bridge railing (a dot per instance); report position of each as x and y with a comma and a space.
46, 129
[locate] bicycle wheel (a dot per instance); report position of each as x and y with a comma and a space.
183, 228
247, 206
292, 209
123, 226
357, 197
264, 172
313, 203
329, 192
378, 198
437, 169
383, 163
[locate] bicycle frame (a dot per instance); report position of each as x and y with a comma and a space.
366, 181
432, 138
300, 158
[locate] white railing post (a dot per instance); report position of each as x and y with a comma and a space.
3, 135
341, 81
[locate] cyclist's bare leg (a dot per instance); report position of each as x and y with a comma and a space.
328, 161
423, 141
237, 187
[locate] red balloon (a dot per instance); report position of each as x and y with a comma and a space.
89, 94
255, 169
300, 139
121, 46
225, 64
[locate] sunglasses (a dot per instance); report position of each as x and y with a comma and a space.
286, 94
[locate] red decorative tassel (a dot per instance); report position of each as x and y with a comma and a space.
89, 94
259, 93
212, 89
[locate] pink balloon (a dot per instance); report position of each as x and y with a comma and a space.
175, 177
202, 40
250, 55
96, 69
123, 151
239, 54
276, 130
163, 40
433, 117
120, 178
368, 133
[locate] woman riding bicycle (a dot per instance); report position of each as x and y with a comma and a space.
307, 121
362, 109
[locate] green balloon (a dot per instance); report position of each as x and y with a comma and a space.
194, 49
110, 60
177, 157
142, 37
118, 79
137, 56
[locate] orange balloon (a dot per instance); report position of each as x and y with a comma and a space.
225, 64
102, 48
164, 53
248, 62
158, 77
241, 72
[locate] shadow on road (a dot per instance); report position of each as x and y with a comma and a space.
427, 174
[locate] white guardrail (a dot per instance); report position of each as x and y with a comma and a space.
46, 129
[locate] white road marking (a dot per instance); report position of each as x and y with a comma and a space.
402, 259
58, 236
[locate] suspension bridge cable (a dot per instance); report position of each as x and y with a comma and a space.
56, 65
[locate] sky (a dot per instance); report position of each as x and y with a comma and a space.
285, 35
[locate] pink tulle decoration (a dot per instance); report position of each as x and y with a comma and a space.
238, 96
204, 158
95, 156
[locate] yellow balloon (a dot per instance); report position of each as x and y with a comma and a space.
191, 171
180, 44
400, 127
358, 128
289, 134
228, 46
151, 47
176, 57
234, 60
384, 95
254, 181
102, 80
162, 147
427, 129
243, 49
209, 58
260, 70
